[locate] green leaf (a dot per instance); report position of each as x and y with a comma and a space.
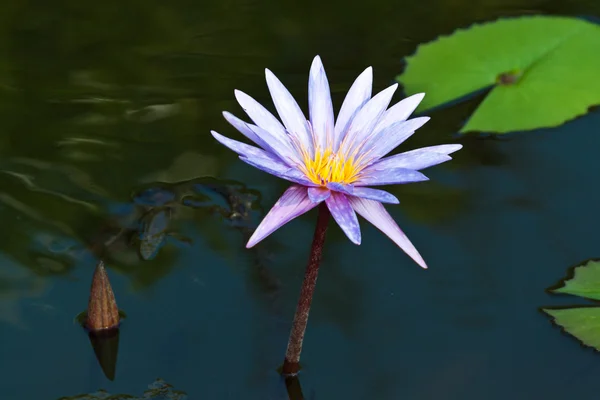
585, 281
581, 322
543, 71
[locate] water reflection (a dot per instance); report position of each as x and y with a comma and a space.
106, 348
157, 390
50, 238
294, 389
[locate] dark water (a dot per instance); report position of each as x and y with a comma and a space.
101, 102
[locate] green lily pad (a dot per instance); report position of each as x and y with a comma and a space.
542, 70
585, 281
581, 322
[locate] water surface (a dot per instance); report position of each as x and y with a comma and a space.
100, 103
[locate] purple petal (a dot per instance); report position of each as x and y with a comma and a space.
263, 160
389, 138
366, 119
319, 102
293, 203
375, 213
400, 111
339, 187
268, 129
318, 194
280, 170
375, 194
289, 111
260, 115
422, 158
344, 215
443, 148
358, 95
392, 176
267, 165
282, 148
246, 150
244, 129
416, 159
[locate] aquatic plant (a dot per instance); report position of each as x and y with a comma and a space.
332, 163
541, 71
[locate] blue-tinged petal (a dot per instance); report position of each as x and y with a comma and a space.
367, 193
339, 187
293, 203
318, 194
344, 215
282, 148
393, 176
278, 169
376, 194
260, 115
389, 138
419, 158
375, 213
443, 148
268, 129
246, 150
267, 165
358, 95
400, 111
415, 159
295, 175
289, 111
367, 118
245, 129
320, 106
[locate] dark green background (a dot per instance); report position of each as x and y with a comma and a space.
497, 225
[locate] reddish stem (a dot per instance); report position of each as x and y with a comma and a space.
291, 364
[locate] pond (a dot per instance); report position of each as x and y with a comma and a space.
106, 117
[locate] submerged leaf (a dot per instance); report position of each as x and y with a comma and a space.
581, 322
153, 232
543, 69
157, 390
585, 281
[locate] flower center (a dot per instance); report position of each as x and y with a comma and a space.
327, 166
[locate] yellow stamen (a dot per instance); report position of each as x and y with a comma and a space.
327, 166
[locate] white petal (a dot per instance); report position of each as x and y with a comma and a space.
320, 106
399, 111
375, 213
356, 98
367, 118
289, 111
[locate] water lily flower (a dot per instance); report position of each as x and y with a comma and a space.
335, 160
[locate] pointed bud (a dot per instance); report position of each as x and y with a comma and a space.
102, 308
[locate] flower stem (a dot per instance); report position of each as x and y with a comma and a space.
291, 364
